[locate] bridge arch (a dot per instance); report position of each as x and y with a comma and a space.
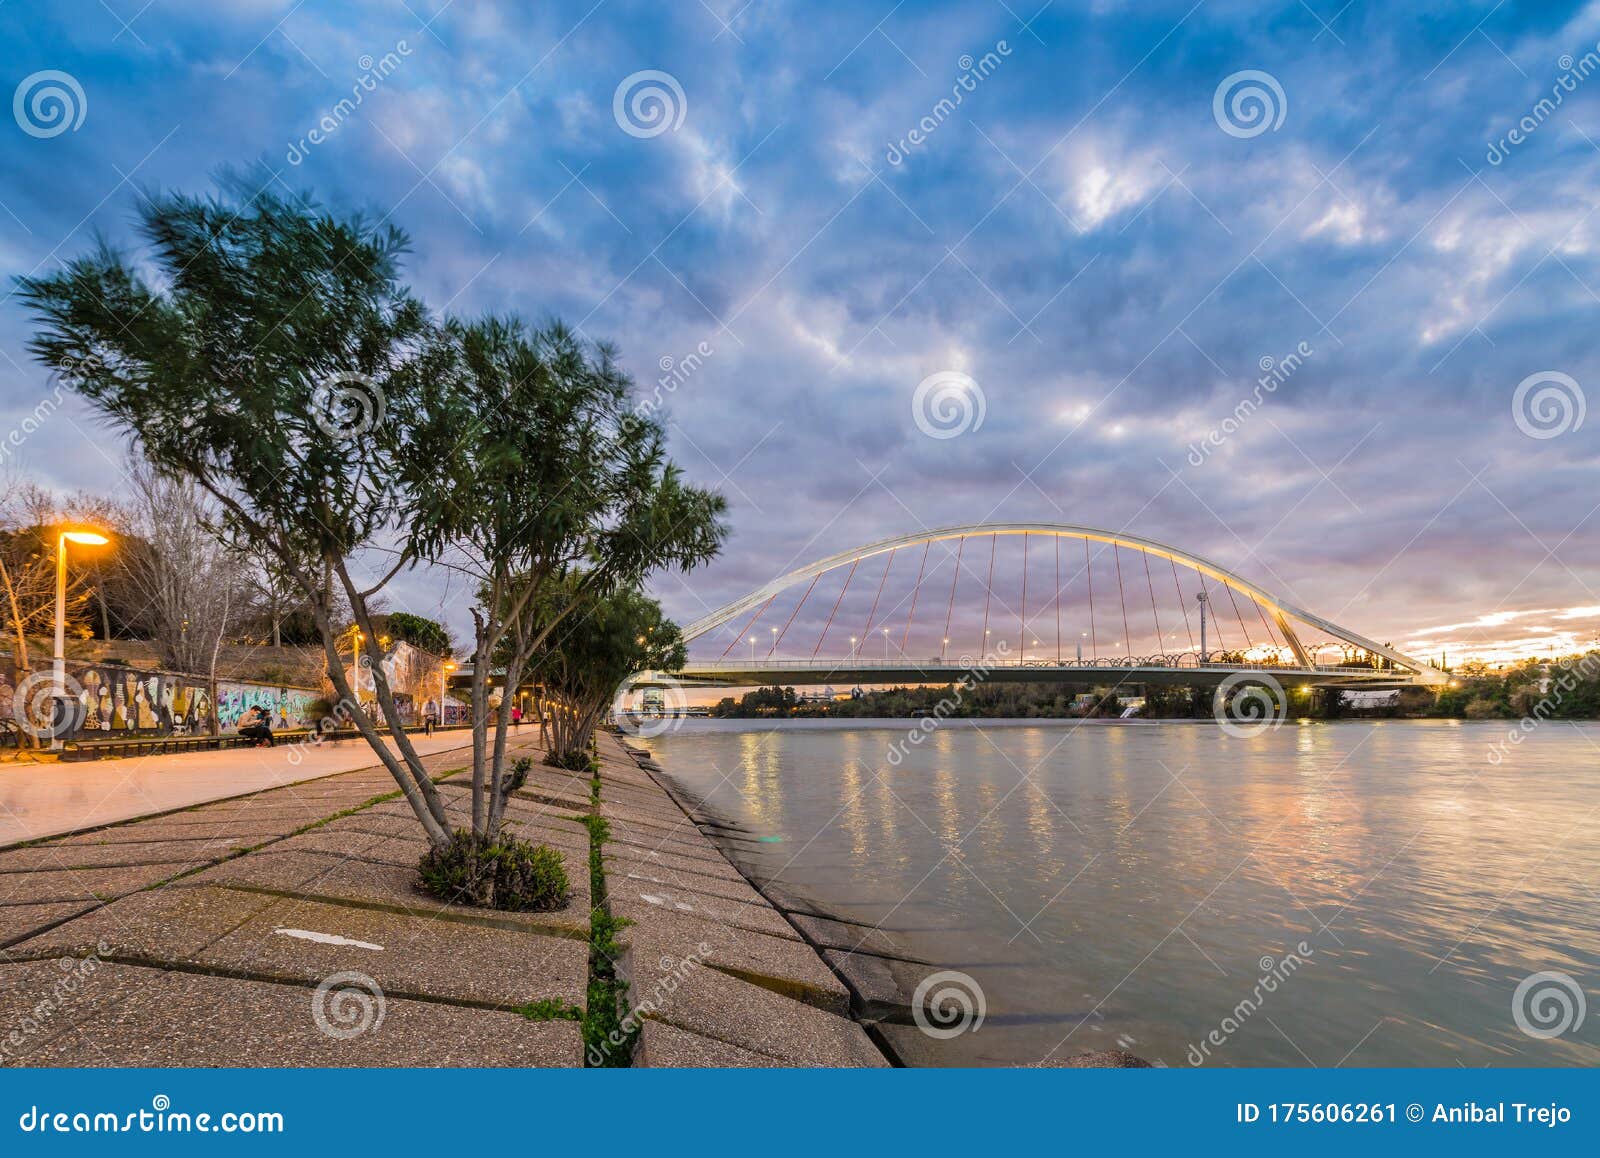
1284, 614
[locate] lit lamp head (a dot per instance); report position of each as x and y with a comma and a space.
86, 538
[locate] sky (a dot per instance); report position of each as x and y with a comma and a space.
1308, 289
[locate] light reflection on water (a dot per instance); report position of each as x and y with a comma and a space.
1114, 884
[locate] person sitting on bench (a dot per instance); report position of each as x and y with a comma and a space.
255, 726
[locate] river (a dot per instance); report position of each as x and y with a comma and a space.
1355, 893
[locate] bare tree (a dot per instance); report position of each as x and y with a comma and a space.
191, 582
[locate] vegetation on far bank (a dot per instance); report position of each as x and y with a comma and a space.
1564, 689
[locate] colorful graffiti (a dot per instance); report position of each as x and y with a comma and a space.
414, 677
120, 699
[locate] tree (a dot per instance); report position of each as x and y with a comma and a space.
258, 366
280, 364
427, 634
530, 472
595, 650
192, 584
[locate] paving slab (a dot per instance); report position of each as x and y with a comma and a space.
394, 887
220, 831
84, 884
638, 903
648, 859
163, 925
663, 1046
717, 1006
55, 856
661, 947
644, 874
850, 938
418, 956
279, 871
125, 1016
17, 922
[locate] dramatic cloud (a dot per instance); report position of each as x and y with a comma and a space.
1053, 202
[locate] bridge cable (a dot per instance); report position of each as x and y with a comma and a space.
1161, 650
1272, 635
887, 563
751, 624
1022, 643
915, 591
961, 545
821, 639
988, 594
1122, 598
1088, 566
797, 607
1247, 643
1182, 606
1057, 539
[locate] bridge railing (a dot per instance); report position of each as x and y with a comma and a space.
1110, 663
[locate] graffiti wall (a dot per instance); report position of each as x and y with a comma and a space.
117, 699
414, 677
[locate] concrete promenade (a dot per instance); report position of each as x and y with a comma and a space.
45, 799
284, 928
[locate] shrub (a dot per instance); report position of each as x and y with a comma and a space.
504, 873
518, 775
573, 760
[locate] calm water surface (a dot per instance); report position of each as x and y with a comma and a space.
1127, 885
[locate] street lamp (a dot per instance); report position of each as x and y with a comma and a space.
885, 645
852, 647
944, 643
752, 649
86, 538
773, 631
1200, 598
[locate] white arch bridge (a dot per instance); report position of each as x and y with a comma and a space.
1025, 602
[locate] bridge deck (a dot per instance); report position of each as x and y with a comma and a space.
748, 673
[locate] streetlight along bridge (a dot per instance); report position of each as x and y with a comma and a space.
1025, 602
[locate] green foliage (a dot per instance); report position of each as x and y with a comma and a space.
416, 630
518, 776
548, 1009
570, 759
505, 873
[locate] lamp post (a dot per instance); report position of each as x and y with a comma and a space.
852, 647
59, 664
1201, 599
752, 649
886, 646
944, 643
